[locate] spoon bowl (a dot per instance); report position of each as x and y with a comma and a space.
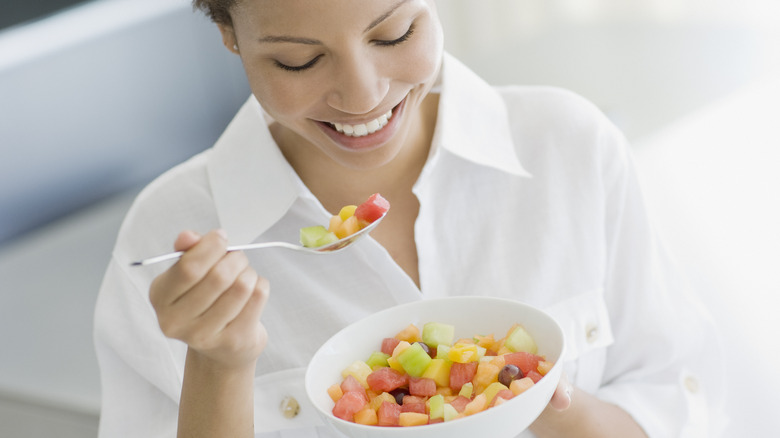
332, 247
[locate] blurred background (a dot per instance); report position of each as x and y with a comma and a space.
98, 97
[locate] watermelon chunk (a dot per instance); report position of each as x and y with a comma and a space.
527, 362
388, 414
386, 379
371, 210
349, 404
462, 373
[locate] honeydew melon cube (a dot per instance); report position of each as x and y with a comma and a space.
414, 360
435, 333
520, 340
315, 236
443, 351
436, 406
450, 413
377, 359
359, 370
467, 390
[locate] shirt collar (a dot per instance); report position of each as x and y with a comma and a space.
252, 183
254, 186
471, 116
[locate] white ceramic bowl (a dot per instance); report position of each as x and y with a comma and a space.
470, 316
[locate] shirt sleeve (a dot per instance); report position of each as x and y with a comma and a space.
664, 366
141, 370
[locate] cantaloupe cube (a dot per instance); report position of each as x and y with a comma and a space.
487, 373
412, 419
335, 223
519, 386
335, 392
439, 371
366, 416
410, 334
348, 228
479, 404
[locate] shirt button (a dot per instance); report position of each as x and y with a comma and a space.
691, 384
289, 407
591, 333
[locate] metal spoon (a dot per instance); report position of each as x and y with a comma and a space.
329, 248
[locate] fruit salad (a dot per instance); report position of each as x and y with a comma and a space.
349, 220
425, 376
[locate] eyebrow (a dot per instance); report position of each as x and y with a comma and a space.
313, 42
384, 16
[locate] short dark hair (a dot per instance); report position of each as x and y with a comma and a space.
217, 10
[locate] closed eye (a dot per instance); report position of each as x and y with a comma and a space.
302, 67
396, 41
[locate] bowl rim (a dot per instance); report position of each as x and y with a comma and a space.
555, 370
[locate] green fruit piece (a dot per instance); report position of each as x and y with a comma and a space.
436, 333
414, 360
377, 359
450, 413
520, 340
316, 236
436, 406
443, 351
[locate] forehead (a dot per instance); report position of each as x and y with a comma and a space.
301, 15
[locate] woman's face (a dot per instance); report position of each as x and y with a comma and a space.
346, 76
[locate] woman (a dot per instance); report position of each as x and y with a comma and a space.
526, 193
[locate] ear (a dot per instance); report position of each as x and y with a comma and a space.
229, 37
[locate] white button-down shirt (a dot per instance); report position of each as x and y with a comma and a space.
565, 230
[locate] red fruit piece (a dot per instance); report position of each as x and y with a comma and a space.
388, 345
386, 379
351, 384
422, 387
372, 209
349, 404
462, 373
459, 403
388, 413
527, 362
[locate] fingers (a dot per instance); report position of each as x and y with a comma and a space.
199, 258
212, 300
561, 399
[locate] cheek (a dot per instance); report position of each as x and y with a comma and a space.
281, 99
424, 57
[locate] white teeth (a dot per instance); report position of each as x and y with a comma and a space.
365, 128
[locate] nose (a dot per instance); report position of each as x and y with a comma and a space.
357, 87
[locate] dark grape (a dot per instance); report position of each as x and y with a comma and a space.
399, 394
509, 373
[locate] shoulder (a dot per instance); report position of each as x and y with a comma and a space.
545, 120
552, 107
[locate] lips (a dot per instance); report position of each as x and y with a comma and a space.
364, 128
368, 135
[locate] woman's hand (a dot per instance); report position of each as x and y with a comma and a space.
212, 300
575, 413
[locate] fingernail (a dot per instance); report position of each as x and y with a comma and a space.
222, 233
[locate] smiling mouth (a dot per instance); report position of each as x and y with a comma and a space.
363, 129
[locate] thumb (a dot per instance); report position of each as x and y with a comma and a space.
186, 240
